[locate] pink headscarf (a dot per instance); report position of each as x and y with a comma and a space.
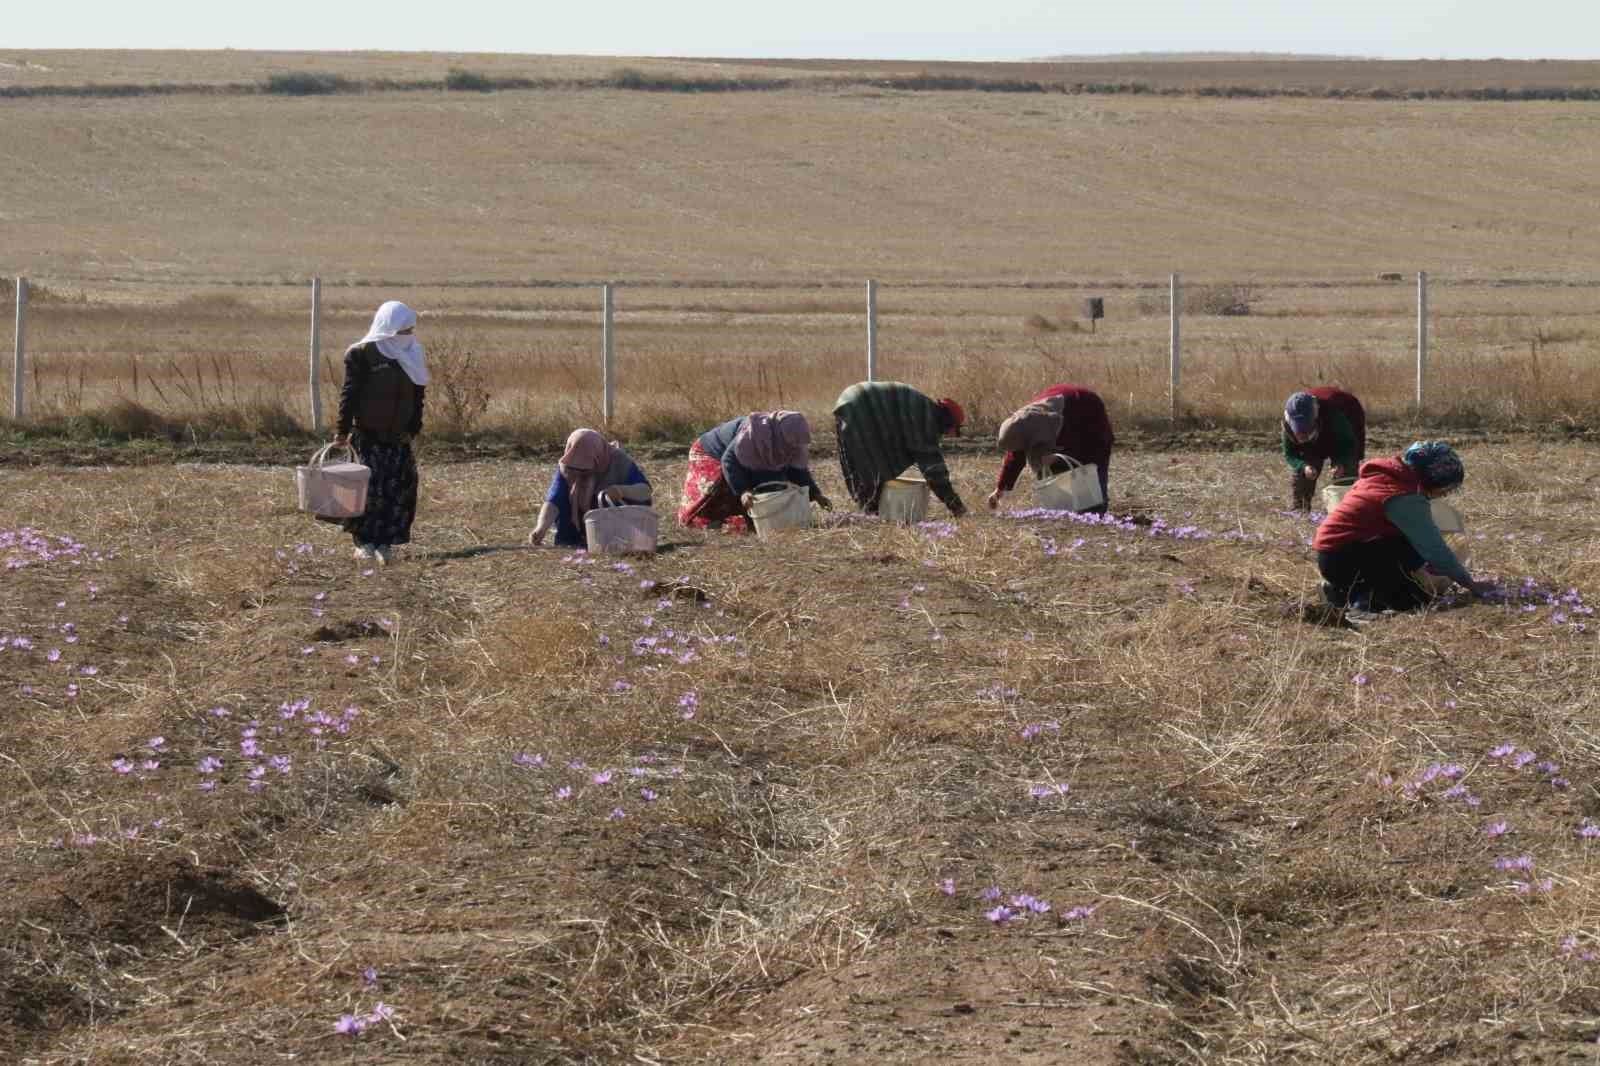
590, 464
773, 441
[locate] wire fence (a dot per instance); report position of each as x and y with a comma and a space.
620, 353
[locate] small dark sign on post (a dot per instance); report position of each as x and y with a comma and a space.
1094, 308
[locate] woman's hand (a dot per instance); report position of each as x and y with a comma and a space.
1310, 472
822, 501
536, 538
341, 440
994, 499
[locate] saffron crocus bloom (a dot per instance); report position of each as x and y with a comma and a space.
1502, 751
564, 792
1360, 679
1499, 829
1520, 862
370, 975
349, 1025
991, 893
617, 814
999, 916
602, 778
1077, 914
948, 886
121, 765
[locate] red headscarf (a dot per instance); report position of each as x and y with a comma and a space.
958, 417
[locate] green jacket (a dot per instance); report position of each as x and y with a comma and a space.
887, 427
1340, 446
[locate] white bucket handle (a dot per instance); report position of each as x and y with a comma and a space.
1072, 464
320, 456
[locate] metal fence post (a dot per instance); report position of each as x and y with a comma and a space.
1176, 357
316, 354
1422, 338
608, 355
21, 350
872, 331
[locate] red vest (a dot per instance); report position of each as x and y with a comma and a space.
1359, 516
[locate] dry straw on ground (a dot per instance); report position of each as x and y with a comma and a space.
867, 711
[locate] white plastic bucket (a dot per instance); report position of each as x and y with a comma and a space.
332, 490
630, 528
1334, 491
904, 500
779, 505
1077, 489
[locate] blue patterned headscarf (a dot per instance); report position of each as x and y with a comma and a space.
1437, 462
1301, 412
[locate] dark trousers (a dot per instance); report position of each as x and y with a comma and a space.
1303, 489
1374, 575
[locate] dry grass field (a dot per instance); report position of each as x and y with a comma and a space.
1013, 789
747, 802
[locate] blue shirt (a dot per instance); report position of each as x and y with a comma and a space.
568, 535
718, 443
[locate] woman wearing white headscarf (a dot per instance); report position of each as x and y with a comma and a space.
380, 410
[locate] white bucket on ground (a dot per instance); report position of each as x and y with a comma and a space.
1076, 489
630, 528
1334, 491
333, 490
904, 500
779, 505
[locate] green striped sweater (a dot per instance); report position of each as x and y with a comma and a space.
887, 427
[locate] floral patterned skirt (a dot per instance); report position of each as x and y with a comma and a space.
391, 494
707, 499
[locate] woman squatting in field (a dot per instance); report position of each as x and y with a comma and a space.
1321, 425
730, 460
1062, 420
380, 410
591, 473
884, 428
1371, 545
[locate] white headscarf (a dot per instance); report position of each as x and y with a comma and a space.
406, 350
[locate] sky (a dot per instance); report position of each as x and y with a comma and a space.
867, 29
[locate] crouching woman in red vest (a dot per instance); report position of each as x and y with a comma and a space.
1383, 531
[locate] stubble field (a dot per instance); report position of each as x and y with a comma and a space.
748, 802
1010, 789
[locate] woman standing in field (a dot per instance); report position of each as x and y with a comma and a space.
1371, 545
591, 473
380, 410
1062, 420
1322, 425
730, 460
884, 428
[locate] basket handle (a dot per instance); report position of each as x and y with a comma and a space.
776, 486
320, 456
1072, 464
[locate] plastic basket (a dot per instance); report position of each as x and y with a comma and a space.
904, 500
332, 490
630, 528
1075, 489
779, 505
1334, 491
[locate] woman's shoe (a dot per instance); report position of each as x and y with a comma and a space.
364, 551
384, 553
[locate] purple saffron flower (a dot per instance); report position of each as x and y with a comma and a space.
1360, 680
149, 764
620, 685
121, 765
1077, 914
1520, 862
528, 761
53, 655
1502, 751
999, 916
649, 795
156, 743
1588, 831
1499, 829
991, 894
564, 792
349, 1025
1523, 759
616, 815
602, 778
369, 976
948, 886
